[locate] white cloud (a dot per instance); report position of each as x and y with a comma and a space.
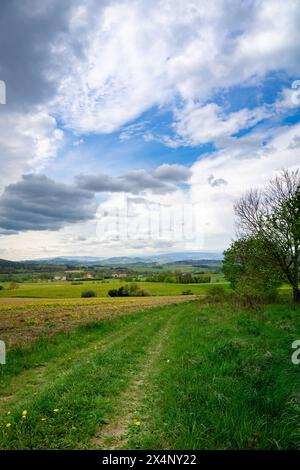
140, 54
217, 180
27, 141
198, 125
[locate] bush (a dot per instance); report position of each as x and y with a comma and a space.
113, 292
128, 291
187, 292
250, 294
88, 293
216, 294
1, 287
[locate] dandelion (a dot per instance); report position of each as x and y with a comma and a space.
9, 412
8, 425
137, 423
43, 419
56, 410
24, 413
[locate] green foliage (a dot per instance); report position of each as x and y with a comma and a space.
187, 292
131, 290
272, 217
88, 293
216, 294
251, 272
180, 277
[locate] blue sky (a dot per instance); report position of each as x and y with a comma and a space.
131, 114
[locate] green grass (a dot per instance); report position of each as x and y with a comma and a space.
226, 381
196, 376
80, 384
68, 290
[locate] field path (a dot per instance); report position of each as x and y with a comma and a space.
126, 419
94, 376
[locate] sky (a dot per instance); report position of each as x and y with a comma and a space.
131, 127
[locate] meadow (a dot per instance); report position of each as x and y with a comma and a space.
189, 376
68, 289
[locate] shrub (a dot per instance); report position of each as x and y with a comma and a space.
128, 291
88, 293
216, 294
113, 292
251, 294
187, 292
1, 287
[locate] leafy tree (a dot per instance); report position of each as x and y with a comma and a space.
251, 271
272, 217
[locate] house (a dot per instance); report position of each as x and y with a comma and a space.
59, 278
88, 276
119, 275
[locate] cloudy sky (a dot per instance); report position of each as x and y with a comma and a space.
131, 126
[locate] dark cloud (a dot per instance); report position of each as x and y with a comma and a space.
162, 180
101, 183
39, 203
134, 182
28, 30
140, 180
173, 173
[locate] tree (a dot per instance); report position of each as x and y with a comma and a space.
272, 217
251, 271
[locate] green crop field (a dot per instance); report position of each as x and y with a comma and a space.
69, 290
187, 376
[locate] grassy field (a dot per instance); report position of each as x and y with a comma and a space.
69, 290
188, 376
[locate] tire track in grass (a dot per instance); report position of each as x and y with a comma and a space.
127, 417
84, 395
39, 376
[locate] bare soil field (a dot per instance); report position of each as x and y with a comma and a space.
25, 320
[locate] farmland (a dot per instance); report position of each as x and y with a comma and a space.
61, 290
24, 320
192, 375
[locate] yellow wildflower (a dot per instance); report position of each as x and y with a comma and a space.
24, 413
8, 425
137, 423
56, 410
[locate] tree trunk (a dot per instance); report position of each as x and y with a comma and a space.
296, 295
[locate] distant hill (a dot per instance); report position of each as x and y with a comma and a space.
127, 260
62, 260
4, 263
